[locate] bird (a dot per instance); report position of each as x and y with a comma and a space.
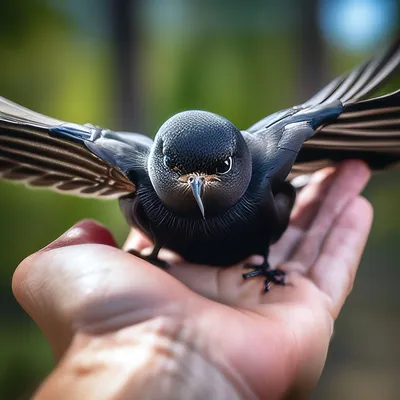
202, 188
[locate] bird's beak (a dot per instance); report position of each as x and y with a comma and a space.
196, 184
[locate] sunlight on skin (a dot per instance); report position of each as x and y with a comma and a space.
264, 344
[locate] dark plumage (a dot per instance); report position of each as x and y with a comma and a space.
204, 189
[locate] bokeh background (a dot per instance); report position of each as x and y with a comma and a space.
132, 64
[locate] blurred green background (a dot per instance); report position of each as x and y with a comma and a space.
132, 64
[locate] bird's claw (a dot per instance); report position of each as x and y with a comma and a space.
276, 276
151, 259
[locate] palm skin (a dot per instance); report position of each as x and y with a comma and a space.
219, 331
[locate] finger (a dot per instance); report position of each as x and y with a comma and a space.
310, 197
37, 291
347, 183
307, 202
66, 288
136, 240
85, 231
335, 270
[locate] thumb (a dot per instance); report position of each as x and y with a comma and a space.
44, 292
82, 282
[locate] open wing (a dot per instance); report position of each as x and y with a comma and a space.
368, 130
79, 159
362, 80
365, 129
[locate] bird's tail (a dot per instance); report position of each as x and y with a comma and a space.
367, 129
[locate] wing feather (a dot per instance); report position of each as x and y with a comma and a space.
367, 129
31, 153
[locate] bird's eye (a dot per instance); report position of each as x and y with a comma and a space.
224, 166
168, 163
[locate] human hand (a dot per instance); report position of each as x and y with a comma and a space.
127, 329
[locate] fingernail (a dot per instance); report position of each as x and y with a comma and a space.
84, 232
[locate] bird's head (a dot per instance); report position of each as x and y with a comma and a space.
200, 164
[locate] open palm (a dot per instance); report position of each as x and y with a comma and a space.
223, 334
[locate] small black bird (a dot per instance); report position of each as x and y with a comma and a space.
203, 188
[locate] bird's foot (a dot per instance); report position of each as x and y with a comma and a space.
151, 259
276, 276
